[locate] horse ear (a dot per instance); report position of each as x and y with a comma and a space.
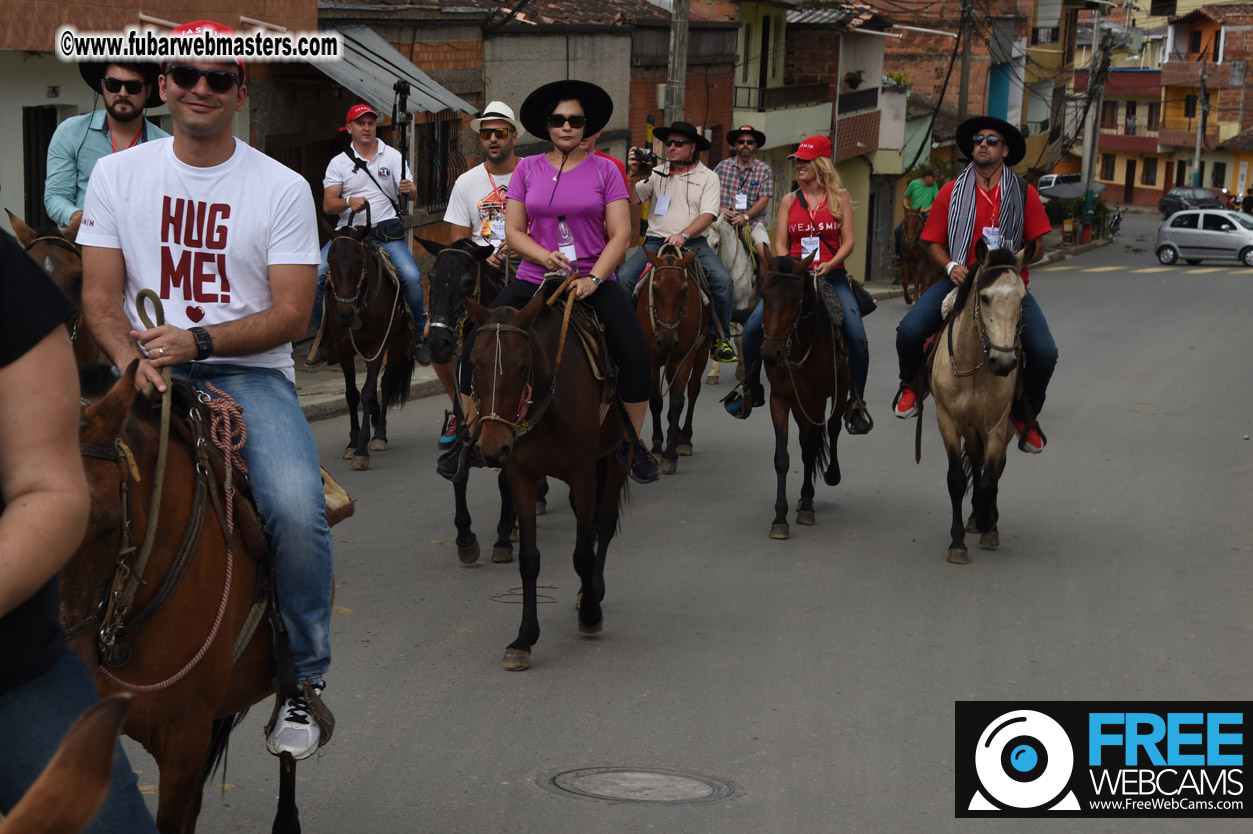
71, 231
481, 253
769, 258
25, 234
112, 409
528, 314
981, 251
806, 262
1027, 255
324, 226
688, 258
478, 313
431, 246
653, 259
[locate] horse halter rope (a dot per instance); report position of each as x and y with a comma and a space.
787, 350
359, 302
985, 344
652, 302
458, 329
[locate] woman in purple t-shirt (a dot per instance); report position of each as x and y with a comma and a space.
569, 211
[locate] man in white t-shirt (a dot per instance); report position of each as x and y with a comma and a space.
369, 171
227, 237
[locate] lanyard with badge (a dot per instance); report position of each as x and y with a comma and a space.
991, 234
741, 197
810, 244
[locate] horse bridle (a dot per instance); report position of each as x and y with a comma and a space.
458, 328
985, 343
517, 426
69, 245
654, 315
800, 314
359, 301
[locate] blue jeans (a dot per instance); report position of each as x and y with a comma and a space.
34, 718
1038, 347
286, 481
406, 268
719, 279
853, 329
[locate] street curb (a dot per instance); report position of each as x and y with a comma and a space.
329, 406
1055, 255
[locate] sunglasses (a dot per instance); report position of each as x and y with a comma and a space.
992, 141
677, 143
498, 132
746, 142
219, 81
115, 85
557, 120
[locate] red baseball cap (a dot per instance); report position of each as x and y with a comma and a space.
812, 148
200, 27
356, 112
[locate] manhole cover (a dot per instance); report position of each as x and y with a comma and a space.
650, 786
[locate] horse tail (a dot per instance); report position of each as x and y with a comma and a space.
219, 742
397, 374
968, 467
819, 444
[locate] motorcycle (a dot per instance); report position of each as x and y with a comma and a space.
1116, 221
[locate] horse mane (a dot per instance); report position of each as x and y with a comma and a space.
984, 275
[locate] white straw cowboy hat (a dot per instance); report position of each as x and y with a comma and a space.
497, 111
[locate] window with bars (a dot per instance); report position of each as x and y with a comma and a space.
437, 161
1189, 106
1149, 174
1218, 175
1107, 166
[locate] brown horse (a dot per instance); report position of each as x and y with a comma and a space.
807, 364
517, 359
67, 794
188, 643
974, 375
369, 320
916, 264
61, 258
676, 322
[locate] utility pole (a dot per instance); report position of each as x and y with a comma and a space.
1200, 129
1091, 128
964, 32
676, 73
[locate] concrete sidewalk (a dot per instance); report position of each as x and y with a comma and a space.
321, 389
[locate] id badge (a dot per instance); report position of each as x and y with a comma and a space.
741, 202
661, 205
992, 237
809, 245
497, 232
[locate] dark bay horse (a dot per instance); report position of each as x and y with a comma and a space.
61, 258
974, 377
460, 272
676, 323
365, 316
916, 264
807, 364
190, 644
524, 422
69, 791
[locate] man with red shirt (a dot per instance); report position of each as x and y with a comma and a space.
986, 201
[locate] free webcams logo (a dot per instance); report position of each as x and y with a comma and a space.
1100, 759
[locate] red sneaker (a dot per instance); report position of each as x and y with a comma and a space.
1035, 443
906, 404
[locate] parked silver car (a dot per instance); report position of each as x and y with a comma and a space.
1202, 234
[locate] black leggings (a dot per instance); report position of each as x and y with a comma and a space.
627, 344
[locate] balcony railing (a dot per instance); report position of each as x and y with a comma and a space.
1189, 124
1130, 130
762, 99
858, 101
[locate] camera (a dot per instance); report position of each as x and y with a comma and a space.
645, 156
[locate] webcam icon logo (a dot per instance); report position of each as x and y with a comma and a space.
1024, 761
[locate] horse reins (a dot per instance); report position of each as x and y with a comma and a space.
787, 349
985, 344
359, 302
656, 319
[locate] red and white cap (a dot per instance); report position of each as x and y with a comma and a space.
812, 148
356, 112
202, 27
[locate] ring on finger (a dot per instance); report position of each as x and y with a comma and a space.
161, 351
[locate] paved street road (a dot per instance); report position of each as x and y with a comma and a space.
817, 675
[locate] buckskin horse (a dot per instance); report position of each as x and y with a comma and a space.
365, 315
807, 364
61, 258
974, 377
193, 642
676, 323
460, 272
916, 264
518, 357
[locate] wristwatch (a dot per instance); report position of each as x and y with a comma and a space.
596, 279
204, 342
948, 270
686, 236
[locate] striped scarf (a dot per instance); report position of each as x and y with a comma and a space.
961, 213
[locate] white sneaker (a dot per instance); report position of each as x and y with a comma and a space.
294, 730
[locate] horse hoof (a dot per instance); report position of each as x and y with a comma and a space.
513, 536
669, 466
713, 377
541, 508
958, 556
806, 517
584, 628
516, 660
971, 525
360, 462
502, 555
685, 450
990, 539
350, 452
831, 477
778, 531
468, 554
378, 444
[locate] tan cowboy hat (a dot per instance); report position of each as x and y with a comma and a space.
497, 111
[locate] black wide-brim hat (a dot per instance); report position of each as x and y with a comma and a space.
966, 131
758, 136
661, 134
597, 106
93, 73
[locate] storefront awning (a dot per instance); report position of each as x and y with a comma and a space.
371, 66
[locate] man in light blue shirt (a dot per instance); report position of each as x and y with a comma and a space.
127, 89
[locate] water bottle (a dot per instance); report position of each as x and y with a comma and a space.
565, 240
